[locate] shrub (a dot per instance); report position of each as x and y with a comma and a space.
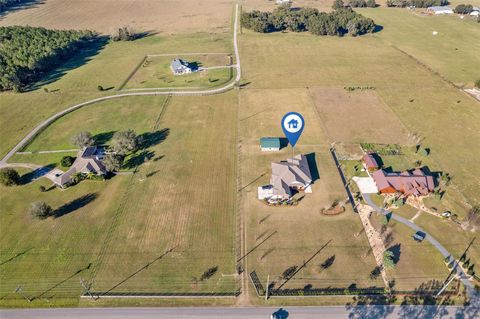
42, 189
477, 82
371, 4
357, 3
338, 4
9, 177
67, 161
209, 273
124, 33
100, 88
463, 9
40, 210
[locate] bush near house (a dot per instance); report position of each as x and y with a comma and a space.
463, 9
67, 161
9, 177
339, 22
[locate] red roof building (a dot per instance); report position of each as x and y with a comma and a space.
370, 162
409, 183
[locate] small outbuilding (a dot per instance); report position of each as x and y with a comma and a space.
270, 144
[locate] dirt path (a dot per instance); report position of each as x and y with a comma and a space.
374, 238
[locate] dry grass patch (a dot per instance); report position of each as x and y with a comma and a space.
358, 117
166, 16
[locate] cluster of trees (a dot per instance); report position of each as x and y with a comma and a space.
124, 34
339, 4
4, 4
27, 52
122, 144
463, 9
416, 3
339, 22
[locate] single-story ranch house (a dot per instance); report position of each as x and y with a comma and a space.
287, 177
179, 67
415, 182
440, 10
89, 160
270, 143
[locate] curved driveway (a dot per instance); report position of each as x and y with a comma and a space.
54, 117
471, 290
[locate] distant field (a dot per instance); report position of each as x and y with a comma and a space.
358, 116
165, 16
155, 72
301, 230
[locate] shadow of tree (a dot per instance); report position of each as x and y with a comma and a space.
84, 54
74, 205
103, 138
19, 5
138, 159
149, 139
395, 249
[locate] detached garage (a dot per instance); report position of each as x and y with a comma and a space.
270, 144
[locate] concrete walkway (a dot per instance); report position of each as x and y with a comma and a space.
55, 117
470, 289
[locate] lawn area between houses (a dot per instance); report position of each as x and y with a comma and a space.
173, 201
300, 230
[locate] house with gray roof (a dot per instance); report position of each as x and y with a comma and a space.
180, 66
88, 161
287, 178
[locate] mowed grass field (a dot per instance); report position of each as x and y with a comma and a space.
156, 72
186, 203
77, 81
302, 230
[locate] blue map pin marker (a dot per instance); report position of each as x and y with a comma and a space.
292, 125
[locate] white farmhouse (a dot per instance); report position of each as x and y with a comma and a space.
179, 67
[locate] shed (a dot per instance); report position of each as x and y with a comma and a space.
440, 10
270, 143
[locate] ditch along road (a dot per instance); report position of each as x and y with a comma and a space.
40, 127
472, 293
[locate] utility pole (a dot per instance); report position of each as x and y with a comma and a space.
87, 288
266, 290
19, 291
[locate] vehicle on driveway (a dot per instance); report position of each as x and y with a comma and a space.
419, 236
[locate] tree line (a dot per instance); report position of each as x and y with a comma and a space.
416, 3
27, 52
339, 22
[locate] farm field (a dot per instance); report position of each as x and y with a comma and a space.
155, 72
164, 16
301, 230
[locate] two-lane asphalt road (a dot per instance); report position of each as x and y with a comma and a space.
336, 312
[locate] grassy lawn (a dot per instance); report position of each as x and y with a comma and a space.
300, 230
80, 77
451, 52
155, 72
186, 202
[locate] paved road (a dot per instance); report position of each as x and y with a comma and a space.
54, 117
433, 241
336, 312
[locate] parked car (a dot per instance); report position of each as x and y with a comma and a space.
446, 214
419, 236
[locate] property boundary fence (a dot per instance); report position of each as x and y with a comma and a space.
344, 180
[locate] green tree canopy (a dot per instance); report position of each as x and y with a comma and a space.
9, 177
